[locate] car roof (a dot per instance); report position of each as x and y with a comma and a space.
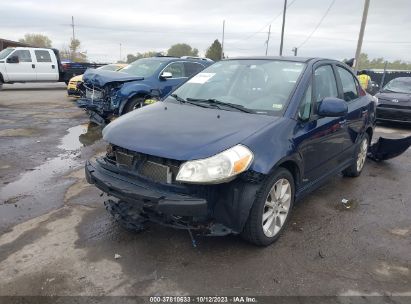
170, 58
403, 78
282, 58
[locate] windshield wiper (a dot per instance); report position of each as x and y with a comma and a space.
220, 103
182, 100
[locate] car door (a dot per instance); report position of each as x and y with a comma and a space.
177, 71
357, 103
46, 66
319, 139
23, 70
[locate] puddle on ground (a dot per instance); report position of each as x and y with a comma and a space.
34, 184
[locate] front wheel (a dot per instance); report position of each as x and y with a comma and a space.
135, 103
271, 209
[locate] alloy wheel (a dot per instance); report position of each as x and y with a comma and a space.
276, 207
362, 154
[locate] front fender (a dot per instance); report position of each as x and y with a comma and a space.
273, 145
129, 91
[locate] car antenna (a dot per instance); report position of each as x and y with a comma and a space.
193, 241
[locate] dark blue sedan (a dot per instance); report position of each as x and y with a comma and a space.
233, 148
145, 81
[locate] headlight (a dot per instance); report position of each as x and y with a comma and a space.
375, 99
219, 168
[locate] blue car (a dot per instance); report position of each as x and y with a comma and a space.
233, 148
144, 81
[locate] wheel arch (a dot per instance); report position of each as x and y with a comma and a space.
369, 132
138, 94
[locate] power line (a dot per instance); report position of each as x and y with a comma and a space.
267, 24
318, 25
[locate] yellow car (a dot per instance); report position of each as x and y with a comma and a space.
72, 85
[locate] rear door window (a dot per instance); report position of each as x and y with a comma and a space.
24, 55
348, 83
42, 56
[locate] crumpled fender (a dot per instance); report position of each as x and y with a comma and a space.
100, 78
386, 148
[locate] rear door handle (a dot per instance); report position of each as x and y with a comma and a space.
33, 66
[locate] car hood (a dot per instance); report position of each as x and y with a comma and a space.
401, 97
101, 77
77, 78
182, 132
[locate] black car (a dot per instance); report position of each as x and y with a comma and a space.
394, 101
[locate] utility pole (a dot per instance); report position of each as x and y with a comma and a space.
282, 29
361, 35
295, 49
222, 42
268, 39
72, 25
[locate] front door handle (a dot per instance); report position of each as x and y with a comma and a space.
53, 66
33, 66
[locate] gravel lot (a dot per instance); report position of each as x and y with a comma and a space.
57, 239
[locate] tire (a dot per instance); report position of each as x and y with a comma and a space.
254, 231
360, 156
126, 215
134, 103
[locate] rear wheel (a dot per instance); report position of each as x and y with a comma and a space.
360, 157
134, 103
271, 209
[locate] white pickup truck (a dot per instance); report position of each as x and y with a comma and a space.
25, 64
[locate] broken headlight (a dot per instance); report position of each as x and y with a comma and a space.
219, 168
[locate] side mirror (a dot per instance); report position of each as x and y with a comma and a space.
332, 107
13, 59
166, 75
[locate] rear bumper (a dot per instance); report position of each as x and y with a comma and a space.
144, 195
394, 114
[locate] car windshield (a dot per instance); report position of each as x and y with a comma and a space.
399, 85
4, 53
261, 86
142, 67
109, 67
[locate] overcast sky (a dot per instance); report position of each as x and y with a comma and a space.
101, 26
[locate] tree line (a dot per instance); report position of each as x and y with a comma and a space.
73, 52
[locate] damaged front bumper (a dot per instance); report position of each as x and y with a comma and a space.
211, 210
98, 110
